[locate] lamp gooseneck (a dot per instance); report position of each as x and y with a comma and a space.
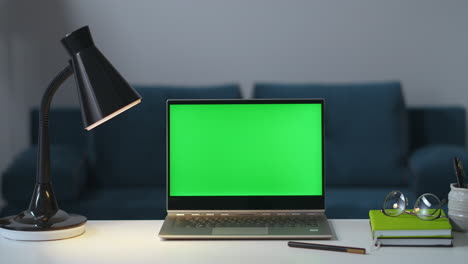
43, 203
43, 159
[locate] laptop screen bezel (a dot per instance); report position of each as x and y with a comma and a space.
194, 203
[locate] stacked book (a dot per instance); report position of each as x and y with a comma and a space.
409, 230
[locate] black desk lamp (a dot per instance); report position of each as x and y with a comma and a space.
103, 94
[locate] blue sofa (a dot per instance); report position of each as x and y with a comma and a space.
374, 144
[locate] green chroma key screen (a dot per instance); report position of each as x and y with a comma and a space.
245, 149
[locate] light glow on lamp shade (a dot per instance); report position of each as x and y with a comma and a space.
121, 110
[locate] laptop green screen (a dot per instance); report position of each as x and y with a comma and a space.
264, 149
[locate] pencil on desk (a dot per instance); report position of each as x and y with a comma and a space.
327, 247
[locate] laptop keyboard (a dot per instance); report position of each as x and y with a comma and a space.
192, 221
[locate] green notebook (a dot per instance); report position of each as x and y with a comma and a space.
408, 226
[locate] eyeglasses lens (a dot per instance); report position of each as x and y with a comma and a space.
427, 207
394, 204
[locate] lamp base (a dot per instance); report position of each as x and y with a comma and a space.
42, 235
25, 227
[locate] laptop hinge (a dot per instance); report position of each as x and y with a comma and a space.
244, 212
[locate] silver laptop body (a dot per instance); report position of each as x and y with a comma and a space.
220, 216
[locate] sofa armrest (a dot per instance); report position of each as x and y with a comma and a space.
432, 168
436, 125
68, 171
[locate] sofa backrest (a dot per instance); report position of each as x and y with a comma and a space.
365, 129
131, 148
65, 127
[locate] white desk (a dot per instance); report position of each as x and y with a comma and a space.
137, 242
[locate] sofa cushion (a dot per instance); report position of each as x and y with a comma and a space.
141, 203
365, 129
68, 168
131, 148
354, 202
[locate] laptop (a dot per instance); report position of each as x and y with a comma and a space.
245, 169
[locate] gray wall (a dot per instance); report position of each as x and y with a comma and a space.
423, 43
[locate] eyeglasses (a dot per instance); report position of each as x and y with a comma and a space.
427, 206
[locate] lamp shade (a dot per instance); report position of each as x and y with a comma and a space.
103, 92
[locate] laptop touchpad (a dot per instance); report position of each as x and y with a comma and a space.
240, 231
